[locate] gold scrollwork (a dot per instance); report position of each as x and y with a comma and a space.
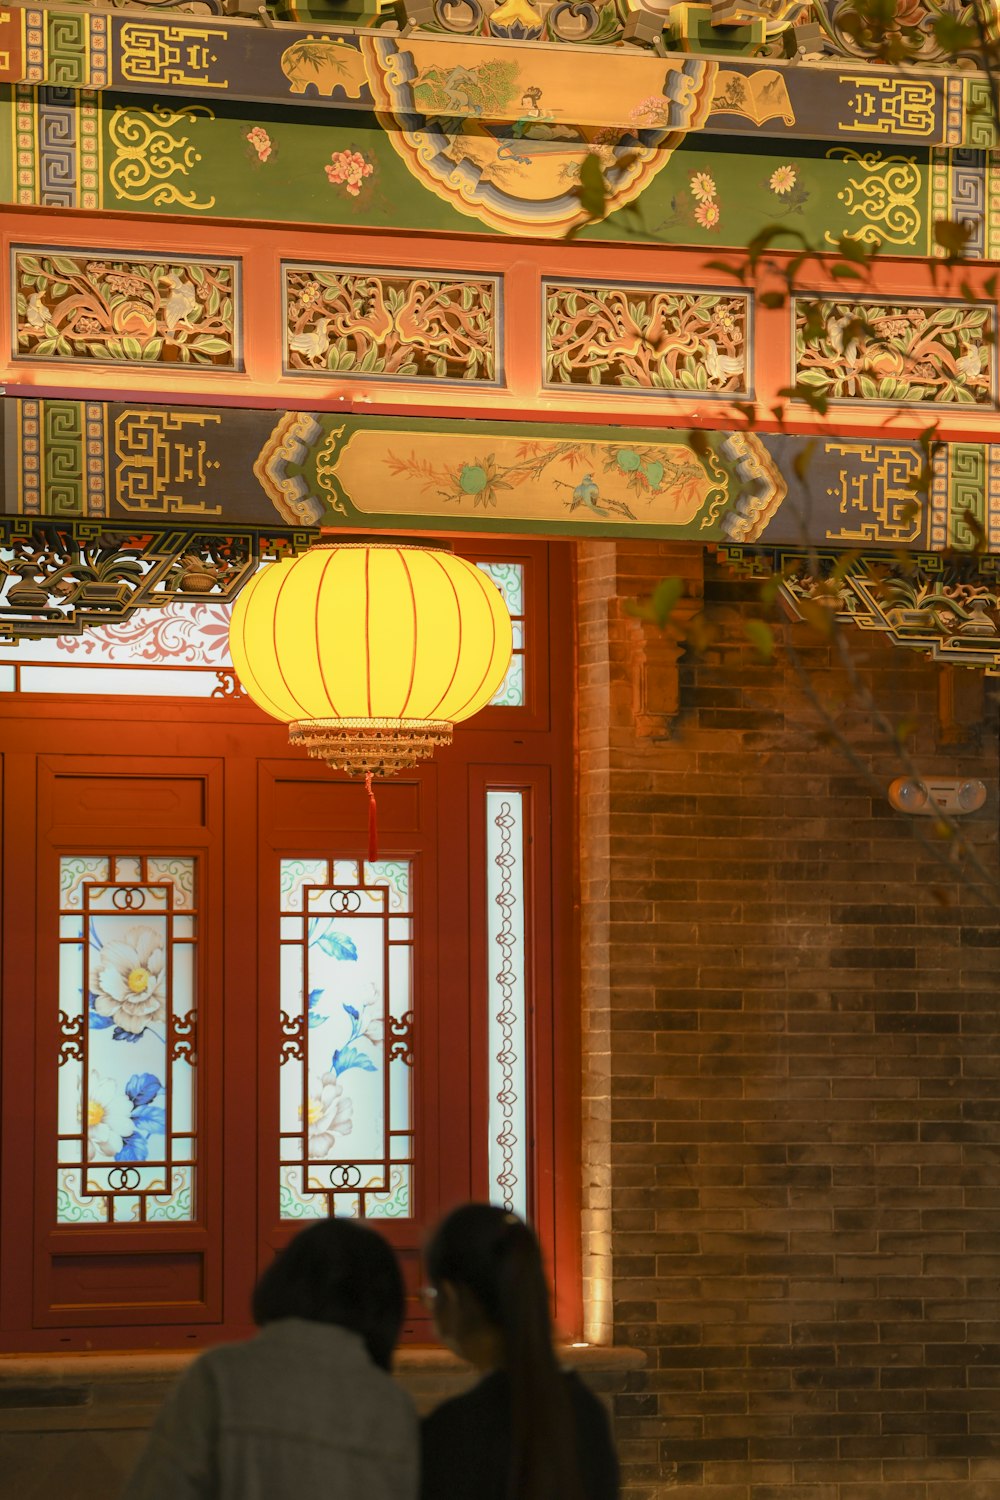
164, 465
326, 464
883, 197
153, 53
148, 155
874, 491
887, 106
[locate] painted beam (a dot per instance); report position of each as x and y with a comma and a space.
670, 185
489, 82
87, 461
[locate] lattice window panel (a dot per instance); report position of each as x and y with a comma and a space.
127, 1128
346, 1060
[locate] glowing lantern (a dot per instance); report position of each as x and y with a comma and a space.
371, 651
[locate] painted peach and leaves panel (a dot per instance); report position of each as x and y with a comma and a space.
396, 324
79, 305
647, 339
903, 352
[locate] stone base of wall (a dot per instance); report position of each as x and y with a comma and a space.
74, 1425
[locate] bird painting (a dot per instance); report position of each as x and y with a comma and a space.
588, 494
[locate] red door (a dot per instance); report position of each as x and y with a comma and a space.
220, 1021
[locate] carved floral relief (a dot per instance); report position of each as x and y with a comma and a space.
85, 306
645, 338
394, 324
933, 352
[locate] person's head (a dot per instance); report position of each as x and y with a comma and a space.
491, 1304
485, 1268
337, 1272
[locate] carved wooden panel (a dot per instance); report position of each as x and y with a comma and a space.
145, 310
394, 325
903, 352
651, 339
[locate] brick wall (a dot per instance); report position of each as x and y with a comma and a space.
792, 1090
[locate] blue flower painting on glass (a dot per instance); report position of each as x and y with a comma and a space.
346, 1138
126, 1096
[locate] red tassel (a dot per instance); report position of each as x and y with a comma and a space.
372, 820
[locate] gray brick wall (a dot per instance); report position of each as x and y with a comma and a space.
792, 1159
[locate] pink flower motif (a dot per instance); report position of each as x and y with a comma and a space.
707, 214
349, 168
260, 141
651, 111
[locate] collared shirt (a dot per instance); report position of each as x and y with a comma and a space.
298, 1413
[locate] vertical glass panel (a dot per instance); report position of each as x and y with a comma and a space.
509, 579
128, 1037
345, 1027
506, 976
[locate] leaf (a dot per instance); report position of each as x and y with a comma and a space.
352, 1012
819, 617
65, 266
349, 1057
847, 273
813, 398
208, 344
96, 1021
314, 997
121, 1035
802, 460
761, 637
336, 945
135, 1148
953, 236
592, 192
772, 299
142, 1088
658, 608
152, 1118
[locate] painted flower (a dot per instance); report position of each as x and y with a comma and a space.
349, 168
330, 1115
703, 187
310, 292
707, 214
96, 267
109, 1117
651, 111
783, 180
131, 980
260, 141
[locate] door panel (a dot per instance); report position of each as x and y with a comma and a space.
153, 785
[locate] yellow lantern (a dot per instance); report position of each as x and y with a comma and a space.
371, 651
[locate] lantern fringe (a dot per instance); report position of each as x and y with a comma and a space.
370, 747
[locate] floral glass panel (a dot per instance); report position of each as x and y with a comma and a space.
127, 1131
346, 1110
179, 651
508, 1042
509, 579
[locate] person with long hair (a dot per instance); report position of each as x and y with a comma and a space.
528, 1430
307, 1407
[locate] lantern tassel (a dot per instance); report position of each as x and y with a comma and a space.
372, 820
